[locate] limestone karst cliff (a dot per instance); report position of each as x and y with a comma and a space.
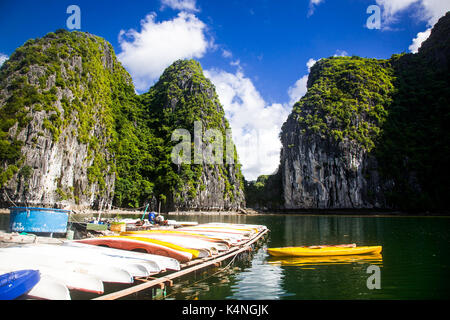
75, 134
372, 133
57, 100
182, 97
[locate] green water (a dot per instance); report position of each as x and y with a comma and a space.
415, 261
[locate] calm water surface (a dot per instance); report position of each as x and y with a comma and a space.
414, 263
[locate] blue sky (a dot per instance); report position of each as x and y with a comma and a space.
256, 52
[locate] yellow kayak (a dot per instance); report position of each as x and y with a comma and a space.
322, 251
195, 253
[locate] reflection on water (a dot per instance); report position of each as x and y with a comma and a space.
415, 263
261, 281
376, 259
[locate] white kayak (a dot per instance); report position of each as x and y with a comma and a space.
101, 272
72, 280
237, 226
234, 239
221, 230
164, 263
152, 266
87, 257
46, 289
49, 289
186, 242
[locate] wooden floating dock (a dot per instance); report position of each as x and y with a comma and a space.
186, 268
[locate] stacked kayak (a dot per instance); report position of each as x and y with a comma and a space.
141, 244
182, 244
46, 289
85, 265
77, 267
15, 284
188, 242
313, 251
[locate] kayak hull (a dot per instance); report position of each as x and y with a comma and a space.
17, 283
162, 262
327, 251
136, 245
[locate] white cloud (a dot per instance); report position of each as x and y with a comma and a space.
148, 52
255, 123
435, 9
299, 89
310, 63
236, 63
182, 5
3, 58
390, 8
312, 6
226, 53
417, 42
425, 10
340, 53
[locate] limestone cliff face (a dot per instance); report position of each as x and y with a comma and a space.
369, 133
74, 133
319, 173
182, 97
55, 113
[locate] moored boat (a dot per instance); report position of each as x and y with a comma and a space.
323, 251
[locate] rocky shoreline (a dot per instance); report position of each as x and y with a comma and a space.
124, 212
252, 212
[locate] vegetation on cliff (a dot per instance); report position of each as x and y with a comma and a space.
395, 109
72, 83
70, 80
182, 96
350, 96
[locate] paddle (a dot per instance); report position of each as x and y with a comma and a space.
145, 211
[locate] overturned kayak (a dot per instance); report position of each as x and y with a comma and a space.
187, 242
49, 289
65, 269
162, 262
138, 244
78, 257
323, 251
178, 233
196, 253
17, 283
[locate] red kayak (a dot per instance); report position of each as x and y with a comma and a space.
135, 245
